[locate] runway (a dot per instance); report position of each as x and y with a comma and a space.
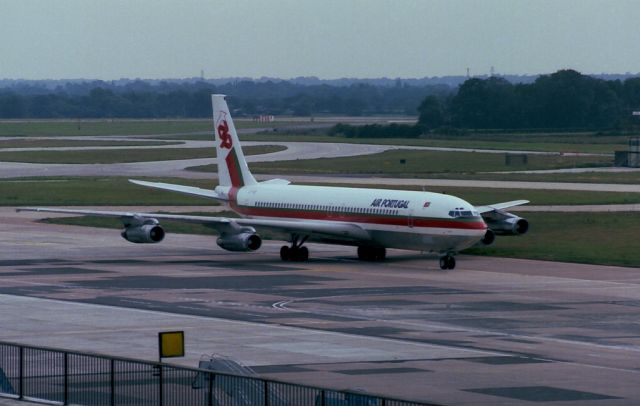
494, 331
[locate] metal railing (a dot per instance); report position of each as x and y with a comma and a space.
74, 378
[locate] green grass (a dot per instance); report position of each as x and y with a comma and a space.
96, 192
631, 177
199, 129
602, 238
548, 142
53, 143
482, 196
123, 155
101, 127
419, 163
593, 238
117, 127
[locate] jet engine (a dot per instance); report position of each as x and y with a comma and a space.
143, 234
239, 242
509, 224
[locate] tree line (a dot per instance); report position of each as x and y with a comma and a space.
564, 100
141, 99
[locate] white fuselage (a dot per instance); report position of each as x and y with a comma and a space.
411, 220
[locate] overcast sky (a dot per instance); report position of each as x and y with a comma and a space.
108, 39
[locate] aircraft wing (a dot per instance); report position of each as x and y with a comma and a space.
190, 190
340, 230
500, 206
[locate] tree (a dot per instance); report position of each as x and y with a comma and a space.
431, 113
484, 103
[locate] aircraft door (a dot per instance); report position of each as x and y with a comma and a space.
410, 218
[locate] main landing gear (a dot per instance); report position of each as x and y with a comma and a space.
371, 253
296, 252
447, 262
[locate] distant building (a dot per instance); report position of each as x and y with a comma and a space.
264, 119
630, 158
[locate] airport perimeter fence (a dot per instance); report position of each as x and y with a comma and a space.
74, 378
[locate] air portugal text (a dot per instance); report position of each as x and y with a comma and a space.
390, 203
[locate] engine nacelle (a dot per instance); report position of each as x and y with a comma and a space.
489, 237
513, 225
144, 234
239, 242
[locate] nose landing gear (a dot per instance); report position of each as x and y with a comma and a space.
447, 262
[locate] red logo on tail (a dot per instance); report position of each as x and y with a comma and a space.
225, 137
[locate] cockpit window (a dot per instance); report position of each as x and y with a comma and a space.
462, 213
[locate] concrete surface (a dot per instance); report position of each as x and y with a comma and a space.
494, 331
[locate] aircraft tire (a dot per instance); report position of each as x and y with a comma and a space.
365, 253
451, 263
371, 253
447, 262
443, 263
303, 254
285, 253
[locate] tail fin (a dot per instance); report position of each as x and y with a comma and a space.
232, 167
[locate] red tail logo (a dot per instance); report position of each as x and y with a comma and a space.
225, 137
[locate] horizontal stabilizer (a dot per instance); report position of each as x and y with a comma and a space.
275, 182
190, 190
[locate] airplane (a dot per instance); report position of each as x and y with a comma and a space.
370, 219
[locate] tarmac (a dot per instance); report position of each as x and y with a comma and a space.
494, 331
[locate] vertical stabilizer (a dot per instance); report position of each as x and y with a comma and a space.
232, 167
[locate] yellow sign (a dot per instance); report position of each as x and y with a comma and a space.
171, 344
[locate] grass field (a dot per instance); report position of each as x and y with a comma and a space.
549, 142
594, 238
66, 143
199, 129
105, 156
82, 191
101, 127
27, 128
603, 238
95, 192
419, 163
599, 238
631, 177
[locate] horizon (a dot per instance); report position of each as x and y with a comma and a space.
313, 77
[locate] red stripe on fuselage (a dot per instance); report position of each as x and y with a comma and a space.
381, 219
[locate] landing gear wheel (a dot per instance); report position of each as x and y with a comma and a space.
447, 262
294, 254
443, 261
303, 254
371, 253
363, 254
452, 263
285, 253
